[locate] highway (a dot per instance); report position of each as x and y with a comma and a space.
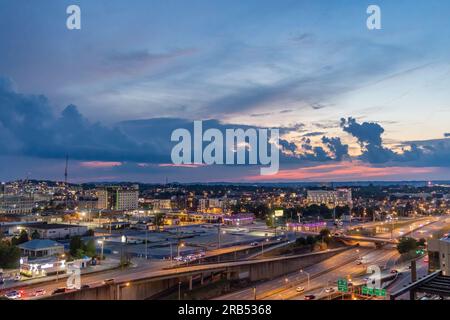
326, 273
269, 287
147, 270
322, 275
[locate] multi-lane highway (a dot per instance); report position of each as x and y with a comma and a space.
321, 275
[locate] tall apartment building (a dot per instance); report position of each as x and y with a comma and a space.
331, 198
211, 205
162, 204
16, 204
117, 198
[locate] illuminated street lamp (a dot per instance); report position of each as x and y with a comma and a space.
180, 245
123, 240
102, 243
58, 265
307, 274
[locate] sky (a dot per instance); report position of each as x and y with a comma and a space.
351, 103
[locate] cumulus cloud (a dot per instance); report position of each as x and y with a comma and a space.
31, 128
416, 153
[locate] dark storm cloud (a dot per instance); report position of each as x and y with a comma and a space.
416, 153
336, 147
29, 127
288, 146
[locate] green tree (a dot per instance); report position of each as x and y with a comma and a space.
422, 242
325, 235
91, 250
22, 238
9, 255
406, 245
159, 220
75, 245
310, 240
300, 241
35, 235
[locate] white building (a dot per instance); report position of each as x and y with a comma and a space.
162, 204
210, 204
331, 198
41, 248
117, 198
16, 204
56, 231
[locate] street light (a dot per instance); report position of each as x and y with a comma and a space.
307, 274
123, 240
180, 245
102, 243
262, 246
58, 265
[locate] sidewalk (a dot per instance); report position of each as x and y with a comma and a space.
107, 264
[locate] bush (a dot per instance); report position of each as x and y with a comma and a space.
406, 245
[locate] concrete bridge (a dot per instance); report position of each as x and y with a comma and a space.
151, 284
376, 240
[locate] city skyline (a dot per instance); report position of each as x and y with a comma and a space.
351, 103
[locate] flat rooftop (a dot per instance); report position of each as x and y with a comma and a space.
47, 226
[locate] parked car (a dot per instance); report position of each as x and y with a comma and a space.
13, 295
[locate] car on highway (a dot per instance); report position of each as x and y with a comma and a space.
254, 244
310, 297
329, 290
300, 289
14, 294
39, 293
394, 271
59, 290
108, 281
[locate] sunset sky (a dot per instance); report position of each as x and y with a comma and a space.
351, 103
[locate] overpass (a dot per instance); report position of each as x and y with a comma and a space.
148, 285
376, 240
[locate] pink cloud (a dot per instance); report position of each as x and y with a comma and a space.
100, 164
181, 165
344, 171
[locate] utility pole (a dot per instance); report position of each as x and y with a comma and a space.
146, 246
65, 170
65, 179
219, 235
